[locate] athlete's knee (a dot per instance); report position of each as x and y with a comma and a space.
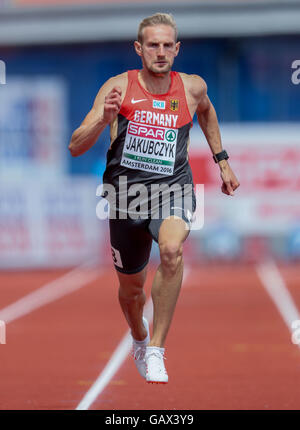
171, 255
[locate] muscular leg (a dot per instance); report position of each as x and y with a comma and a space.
132, 299
168, 278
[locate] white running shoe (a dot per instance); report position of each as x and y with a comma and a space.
156, 372
139, 351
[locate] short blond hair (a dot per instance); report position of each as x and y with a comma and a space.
157, 19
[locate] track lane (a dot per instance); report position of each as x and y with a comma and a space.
290, 273
14, 285
54, 353
228, 348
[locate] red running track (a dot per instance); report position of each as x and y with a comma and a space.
228, 346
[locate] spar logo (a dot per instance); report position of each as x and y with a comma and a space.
151, 132
170, 135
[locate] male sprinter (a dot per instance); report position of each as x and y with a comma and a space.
150, 114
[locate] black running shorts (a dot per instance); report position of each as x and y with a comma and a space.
131, 239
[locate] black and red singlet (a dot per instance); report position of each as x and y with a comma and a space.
150, 136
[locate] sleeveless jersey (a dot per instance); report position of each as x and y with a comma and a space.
150, 137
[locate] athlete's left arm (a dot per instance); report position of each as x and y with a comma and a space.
208, 122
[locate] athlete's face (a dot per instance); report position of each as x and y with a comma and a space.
158, 49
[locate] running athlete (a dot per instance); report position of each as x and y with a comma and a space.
150, 114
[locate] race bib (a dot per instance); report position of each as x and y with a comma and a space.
150, 148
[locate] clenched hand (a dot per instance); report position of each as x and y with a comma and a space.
230, 182
112, 104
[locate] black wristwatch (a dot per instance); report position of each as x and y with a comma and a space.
221, 156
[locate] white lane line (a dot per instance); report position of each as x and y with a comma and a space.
50, 292
117, 359
115, 362
276, 287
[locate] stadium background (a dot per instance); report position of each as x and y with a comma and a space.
51, 86
57, 56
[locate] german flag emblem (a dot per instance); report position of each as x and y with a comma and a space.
174, 104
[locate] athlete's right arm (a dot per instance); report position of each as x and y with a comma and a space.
106, 107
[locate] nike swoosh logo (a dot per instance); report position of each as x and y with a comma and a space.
137, 101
